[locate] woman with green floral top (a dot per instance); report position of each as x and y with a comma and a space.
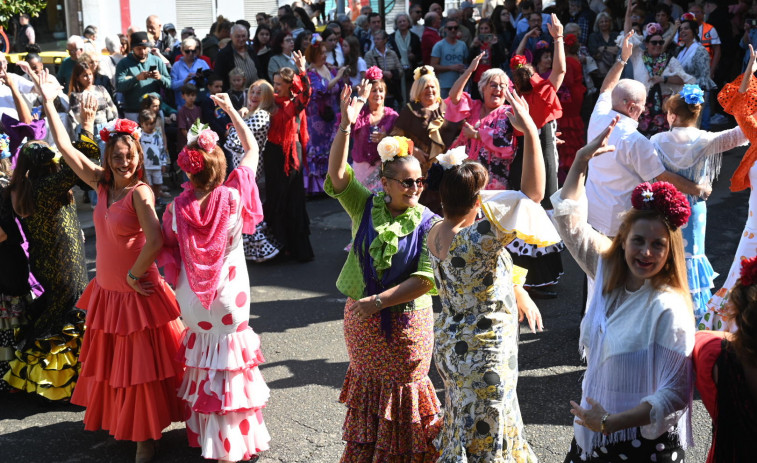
388, 322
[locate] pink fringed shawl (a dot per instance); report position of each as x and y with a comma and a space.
200, 238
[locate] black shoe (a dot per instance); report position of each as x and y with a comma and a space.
541, 293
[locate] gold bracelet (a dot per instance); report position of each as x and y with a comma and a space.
603, 428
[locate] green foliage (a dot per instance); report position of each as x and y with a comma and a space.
11, 8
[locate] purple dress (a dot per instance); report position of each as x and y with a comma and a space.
321, 111
365, 159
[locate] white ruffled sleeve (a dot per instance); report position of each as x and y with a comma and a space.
673, 374
585, 244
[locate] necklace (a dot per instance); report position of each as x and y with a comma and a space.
117, 197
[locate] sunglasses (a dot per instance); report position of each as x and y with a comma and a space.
451, 28
193, 50
656, 42
408, 182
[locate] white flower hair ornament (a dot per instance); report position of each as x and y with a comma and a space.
452, 158
391, 147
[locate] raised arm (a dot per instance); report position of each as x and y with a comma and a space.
246, 138
627, 25
85, 169
338, 156
456, 92
559, 67
24, 115
522, 45
533, 177
613, 76
751, 67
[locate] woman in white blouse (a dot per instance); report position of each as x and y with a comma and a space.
638, 332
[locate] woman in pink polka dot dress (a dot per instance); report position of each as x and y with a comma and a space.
223, 389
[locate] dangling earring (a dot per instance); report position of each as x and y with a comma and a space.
387, 199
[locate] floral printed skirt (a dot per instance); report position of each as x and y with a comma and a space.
393, 411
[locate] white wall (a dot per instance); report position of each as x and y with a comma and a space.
141, 9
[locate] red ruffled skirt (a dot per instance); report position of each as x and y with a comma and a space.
573, 131
129, 374
393, 411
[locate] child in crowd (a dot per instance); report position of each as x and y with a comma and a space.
153, 148
188, 114
211, 114
237, 93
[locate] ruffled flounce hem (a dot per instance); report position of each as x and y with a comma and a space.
135, 413
314, 183
127, 312
49, 367
514, 212
396, 418
700, 274
140, 357
233, 436
521, 248
261, 246
359, 452
211, 351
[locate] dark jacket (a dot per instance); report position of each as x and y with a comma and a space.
415, 49
225, 63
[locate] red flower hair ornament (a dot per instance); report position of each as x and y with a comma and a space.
191, 161
571, 40
748, 275
120, 126
665, 199
374, 73
517, 61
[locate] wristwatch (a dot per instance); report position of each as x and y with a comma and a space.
378, 302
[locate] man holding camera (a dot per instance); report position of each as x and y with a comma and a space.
188, 69
140, 73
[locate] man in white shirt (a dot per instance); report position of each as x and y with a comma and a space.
613, 176
7, 105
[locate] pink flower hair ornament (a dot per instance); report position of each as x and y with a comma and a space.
203, 135
374, 73
124, 126
191, 161
665, 199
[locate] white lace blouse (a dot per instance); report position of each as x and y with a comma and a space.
641, 352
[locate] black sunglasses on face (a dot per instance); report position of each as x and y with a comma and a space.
451, 28
408, 182
193, 50
656, 42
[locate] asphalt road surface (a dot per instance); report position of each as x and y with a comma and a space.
298, 313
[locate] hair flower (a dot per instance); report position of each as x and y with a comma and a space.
748, 275
124, 126
203, 135
571, 39
374, 73
452, 158
665, 199
688, 17
191, 161
5, 151
392, 147
517, 61
692, 94
541, 44
316, 38
653, 29
421, 71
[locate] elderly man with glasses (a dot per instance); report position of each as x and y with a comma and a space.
75, 47
239, 54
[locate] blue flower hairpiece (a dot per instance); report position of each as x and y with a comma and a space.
692, 94
316, 38
5, 151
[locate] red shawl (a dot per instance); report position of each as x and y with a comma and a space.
283, 131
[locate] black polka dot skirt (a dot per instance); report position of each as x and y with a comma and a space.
664, 449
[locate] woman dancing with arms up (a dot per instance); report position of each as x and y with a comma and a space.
129, 374
638, 331
388, 321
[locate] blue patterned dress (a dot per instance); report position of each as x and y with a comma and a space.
322, 126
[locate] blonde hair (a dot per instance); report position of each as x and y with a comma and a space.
420, 84
236, 72
267, 103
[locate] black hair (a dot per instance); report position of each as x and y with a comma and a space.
189, 89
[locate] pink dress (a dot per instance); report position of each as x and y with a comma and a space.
495, 149
129, 373
223, 389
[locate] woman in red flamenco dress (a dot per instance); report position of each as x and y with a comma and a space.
571, 95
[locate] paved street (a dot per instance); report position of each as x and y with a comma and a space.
298, 312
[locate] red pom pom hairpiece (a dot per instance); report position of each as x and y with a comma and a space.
664, 198
748, 275
517, 61
191, 161
120, 126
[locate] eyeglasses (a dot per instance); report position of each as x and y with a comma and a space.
451, 28
192, 50
408, 182
656, 42
496, 86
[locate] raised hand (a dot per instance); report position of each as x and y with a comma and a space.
477, 59
556, 28
351, 106
518, 114
88, 110
47, 89
223, 101
299, 61
627, 48
599, 144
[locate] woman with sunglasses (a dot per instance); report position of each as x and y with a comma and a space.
388, 320
185, 70
659, 71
